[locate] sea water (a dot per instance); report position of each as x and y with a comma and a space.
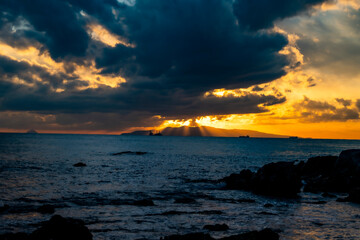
37, 169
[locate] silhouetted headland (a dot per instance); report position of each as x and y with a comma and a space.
204, 131
32, 131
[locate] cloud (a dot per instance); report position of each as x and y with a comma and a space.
195, 45
262, 14
55, 24
170, 52
344, 102
104, 122
329, 41
322, 111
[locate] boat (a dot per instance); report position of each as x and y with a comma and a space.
155, 134
245, 136
294, 137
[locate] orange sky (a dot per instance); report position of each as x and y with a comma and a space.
322, 95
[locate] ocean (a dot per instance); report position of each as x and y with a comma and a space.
37, 169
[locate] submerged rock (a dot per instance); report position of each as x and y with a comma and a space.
79, 164
266, 234
185, 200
268, 205
217, 227
354, 197
129, 152
190, 236
328, 195
59, 228
245, 200
46, 209
4, 208
144, 202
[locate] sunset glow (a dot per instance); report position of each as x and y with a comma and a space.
133, 66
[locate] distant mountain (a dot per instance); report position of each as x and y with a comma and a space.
33, 131
210, 132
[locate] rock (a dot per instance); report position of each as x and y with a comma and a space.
354, 196
318, 174
144, 202
344, 176
185, 200
279, 179
46, 209
129, 152
245, 200
4, 208
79, 164
328, 195
206, 212
317, 166
349, 162
267, 213
240, 181
268, 205
217, 227
14, 236
316, 202
59, 228
266, 234
190, 236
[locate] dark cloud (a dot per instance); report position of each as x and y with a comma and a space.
321, 111
55, 24
193, 45
183, 49
30, 74
344, 102
261, 14
257, 88
77, 122
311, 82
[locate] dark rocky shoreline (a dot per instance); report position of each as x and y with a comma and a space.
322, 174
325, 175
60, 228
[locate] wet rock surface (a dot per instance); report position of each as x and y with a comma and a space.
318, 174
354, 196
46, 209
129, 153
266, 234
144, 202
217, 227
185, 200
57, 228
60, 228
277, 179
79, 164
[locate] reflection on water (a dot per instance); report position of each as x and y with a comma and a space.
38, 169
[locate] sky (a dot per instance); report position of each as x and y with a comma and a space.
113, 66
